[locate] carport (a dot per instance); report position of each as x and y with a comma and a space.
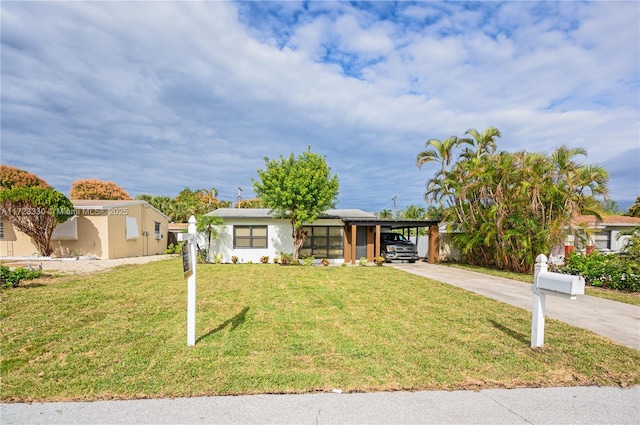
362, 236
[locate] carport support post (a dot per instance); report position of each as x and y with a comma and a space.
191, 285
537, 320
434, 244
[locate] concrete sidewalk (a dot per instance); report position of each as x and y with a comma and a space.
617, 321
583, 405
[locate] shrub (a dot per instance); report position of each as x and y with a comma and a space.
285, 258
173, 249
264, 259
10, 279
234, 259
611, 271
276, 260
308, 261
362, 261
379, 260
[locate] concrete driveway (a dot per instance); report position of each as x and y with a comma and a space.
617, 321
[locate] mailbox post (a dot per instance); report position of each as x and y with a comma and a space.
190, 241
557, 284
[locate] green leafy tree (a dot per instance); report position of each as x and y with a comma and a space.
163, 204
35, 211
187, 203
634, 211
299, 189
249, 203
195, 202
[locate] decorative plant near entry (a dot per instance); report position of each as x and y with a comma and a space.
285, 258
264, 259
379, 260
234, 259
362, 261
324, 262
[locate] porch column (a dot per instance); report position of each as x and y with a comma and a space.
377, 249
434, 244
354, 232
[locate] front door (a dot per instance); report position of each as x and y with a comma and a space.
361, 243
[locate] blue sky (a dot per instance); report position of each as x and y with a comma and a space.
161, 96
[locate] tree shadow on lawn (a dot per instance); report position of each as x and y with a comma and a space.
513, 334
235, 321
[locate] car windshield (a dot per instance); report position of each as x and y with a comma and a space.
394, 237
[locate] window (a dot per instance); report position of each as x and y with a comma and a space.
323, 242
603, 240
131, 228
66, 231
249, 236
157, 230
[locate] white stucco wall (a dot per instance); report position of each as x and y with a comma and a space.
278, 240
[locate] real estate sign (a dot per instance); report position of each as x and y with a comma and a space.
187, 265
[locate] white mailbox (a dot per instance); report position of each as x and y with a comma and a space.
561, 284
548, 283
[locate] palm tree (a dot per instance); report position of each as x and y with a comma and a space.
210, 226
484, 143
386, 213
439, 151
413, 212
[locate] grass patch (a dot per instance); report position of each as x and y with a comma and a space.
609, 294
272, 329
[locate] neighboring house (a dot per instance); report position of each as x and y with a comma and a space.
173, 230
602, 235
104, 229
338, 235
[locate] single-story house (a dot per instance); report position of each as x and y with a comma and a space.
602, 235
338, 235
104, 229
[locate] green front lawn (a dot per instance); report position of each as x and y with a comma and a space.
272, 329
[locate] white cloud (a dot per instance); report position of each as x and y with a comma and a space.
196, 94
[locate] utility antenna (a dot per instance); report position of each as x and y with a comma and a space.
239, 197
394, 206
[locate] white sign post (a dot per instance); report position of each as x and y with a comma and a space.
189, 269
545, 282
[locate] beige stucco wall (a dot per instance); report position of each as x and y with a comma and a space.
16, 243
146, 243
101, 233
90, 241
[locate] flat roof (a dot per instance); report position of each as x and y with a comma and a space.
392, 223
107, 204
349, 216
265, 213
